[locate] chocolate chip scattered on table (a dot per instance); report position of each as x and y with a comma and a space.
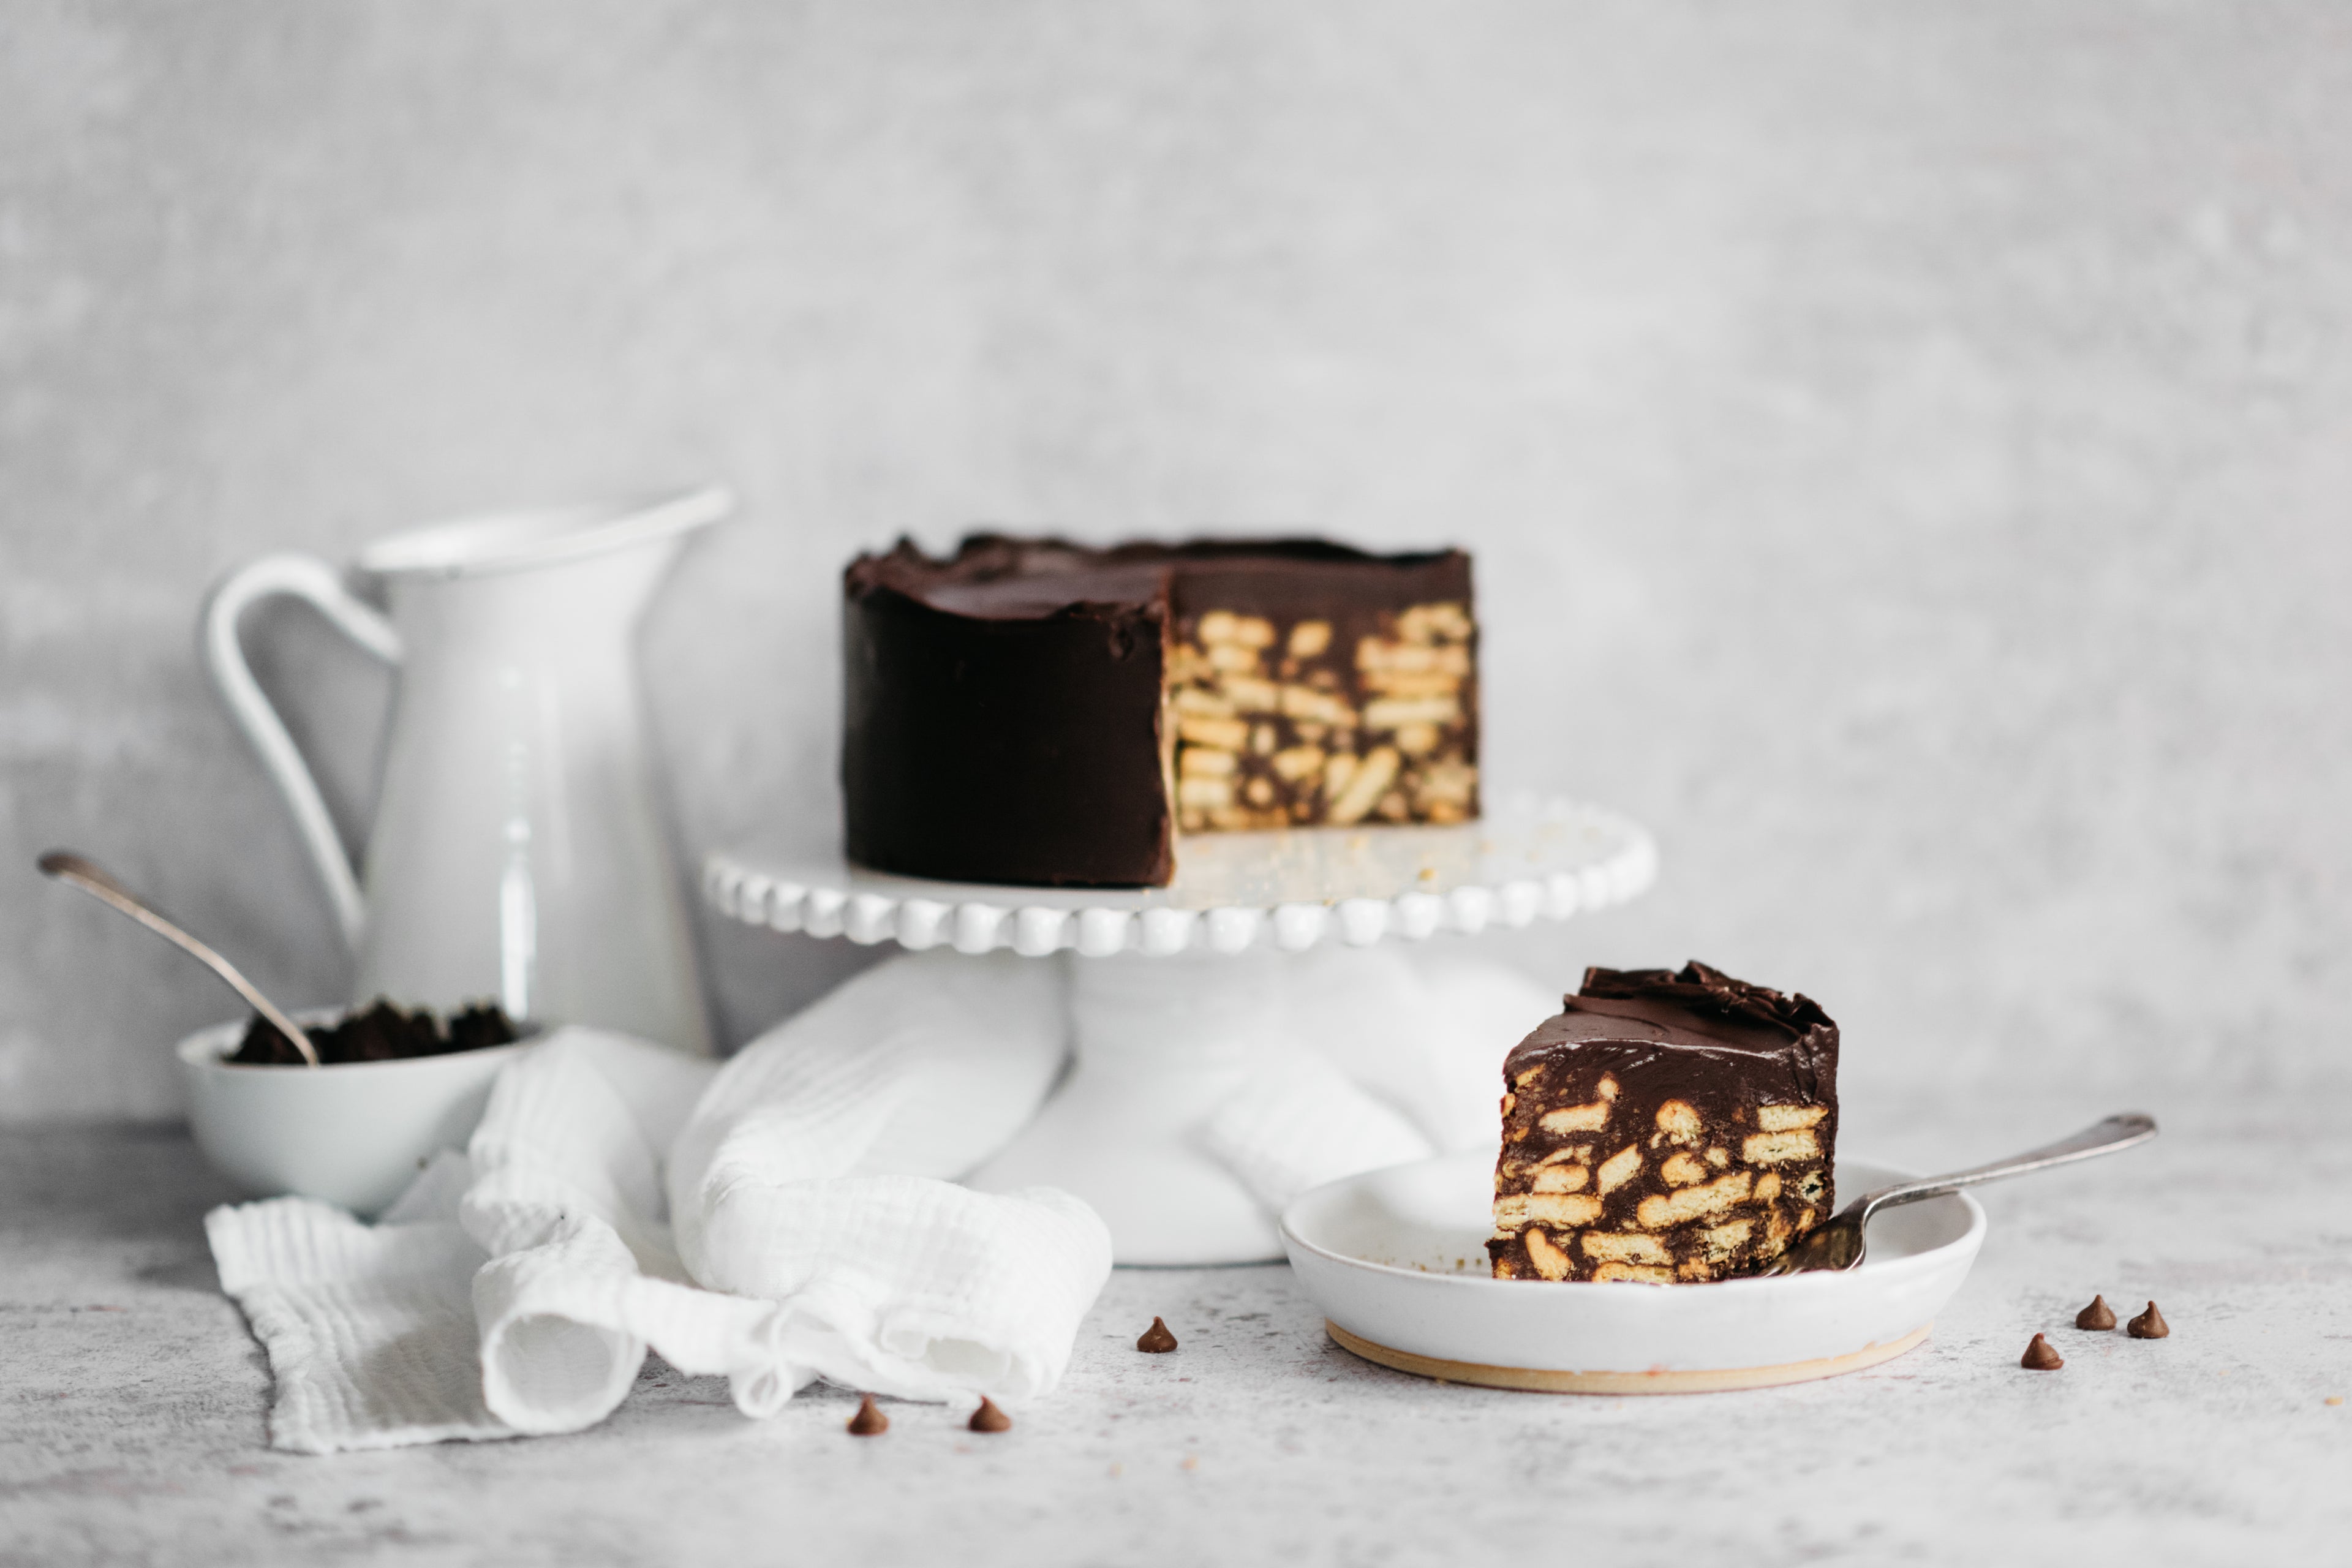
1156, 1340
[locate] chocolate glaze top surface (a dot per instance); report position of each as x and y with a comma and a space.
1646, 1017
993, 577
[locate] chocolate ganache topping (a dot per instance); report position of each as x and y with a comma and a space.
1702, 989
1674, 1021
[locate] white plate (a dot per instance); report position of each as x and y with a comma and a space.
1397, 1261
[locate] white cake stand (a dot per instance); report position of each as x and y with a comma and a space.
1173, 988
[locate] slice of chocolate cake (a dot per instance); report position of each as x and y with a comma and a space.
1035, 711
1665, 1126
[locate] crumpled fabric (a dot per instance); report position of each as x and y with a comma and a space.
792, 1213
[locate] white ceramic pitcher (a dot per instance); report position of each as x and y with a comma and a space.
517, 851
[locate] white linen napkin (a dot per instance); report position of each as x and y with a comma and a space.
792, 1214
370, 1329
526, 1304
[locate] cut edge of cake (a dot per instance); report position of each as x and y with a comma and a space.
1665, 1127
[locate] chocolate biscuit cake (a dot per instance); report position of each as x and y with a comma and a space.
1664, 1126
1037, 711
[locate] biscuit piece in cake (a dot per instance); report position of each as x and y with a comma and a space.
1666, 1126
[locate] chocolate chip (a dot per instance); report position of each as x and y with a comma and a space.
2098, 1315
988, 1419
2040, 1357
1157, 1338
380, 1033
2148, 1325
869, 1420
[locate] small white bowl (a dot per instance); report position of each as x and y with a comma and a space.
355, 1133
1397, 1261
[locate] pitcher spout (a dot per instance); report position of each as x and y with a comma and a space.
509, 542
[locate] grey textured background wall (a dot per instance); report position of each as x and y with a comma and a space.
1908, 448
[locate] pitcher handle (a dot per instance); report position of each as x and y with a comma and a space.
311, 580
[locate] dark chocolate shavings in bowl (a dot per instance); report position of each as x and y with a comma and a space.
380, 1033
480, 1026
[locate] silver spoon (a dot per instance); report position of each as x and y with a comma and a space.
70, 867
1837, 1243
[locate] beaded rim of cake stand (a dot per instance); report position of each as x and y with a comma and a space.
833, 906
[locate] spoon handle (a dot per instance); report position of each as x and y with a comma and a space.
2099, 1138
77, 871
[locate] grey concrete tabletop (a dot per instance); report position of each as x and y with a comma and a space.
135, 1410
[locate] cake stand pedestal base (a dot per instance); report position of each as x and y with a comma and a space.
1159, 1045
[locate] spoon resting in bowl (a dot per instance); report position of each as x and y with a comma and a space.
64, 866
